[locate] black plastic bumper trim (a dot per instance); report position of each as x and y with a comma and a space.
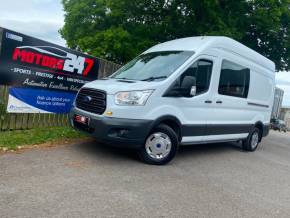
108, 130
215, 129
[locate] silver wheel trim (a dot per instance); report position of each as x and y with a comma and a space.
158, 145
254, 140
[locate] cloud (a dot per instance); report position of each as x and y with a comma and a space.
286, 97
38, 18
32, 10
44, 30
283, 82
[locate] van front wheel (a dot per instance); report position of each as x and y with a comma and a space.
160, 146
252, 142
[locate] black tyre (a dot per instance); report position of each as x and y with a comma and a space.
252, 142
160, 146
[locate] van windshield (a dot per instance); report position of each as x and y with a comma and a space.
153, 66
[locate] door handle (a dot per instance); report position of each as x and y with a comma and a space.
219, 102
208, 102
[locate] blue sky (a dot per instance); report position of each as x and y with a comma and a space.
43, 19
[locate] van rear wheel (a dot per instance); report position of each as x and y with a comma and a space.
160, 146
252, 142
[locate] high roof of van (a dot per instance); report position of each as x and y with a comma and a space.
201, 43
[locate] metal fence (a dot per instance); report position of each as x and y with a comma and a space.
13, 121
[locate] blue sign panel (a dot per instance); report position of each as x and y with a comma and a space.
30, 100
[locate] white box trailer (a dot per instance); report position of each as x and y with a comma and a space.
278, 98
185, 91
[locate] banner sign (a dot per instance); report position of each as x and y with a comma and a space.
30, 100
30, 62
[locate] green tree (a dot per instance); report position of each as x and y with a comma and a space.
118, 30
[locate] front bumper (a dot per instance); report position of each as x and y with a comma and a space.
130, 133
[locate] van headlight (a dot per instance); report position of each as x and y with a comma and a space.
132, 97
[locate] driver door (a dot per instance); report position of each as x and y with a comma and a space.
196, 109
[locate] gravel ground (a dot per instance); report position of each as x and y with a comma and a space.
90, 180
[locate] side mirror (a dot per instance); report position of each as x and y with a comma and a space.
193, 91
188, 86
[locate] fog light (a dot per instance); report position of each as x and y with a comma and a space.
109, 113
123, 132
120, 133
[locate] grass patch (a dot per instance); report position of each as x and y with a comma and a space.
12, 139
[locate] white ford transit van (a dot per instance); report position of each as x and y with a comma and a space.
186, 91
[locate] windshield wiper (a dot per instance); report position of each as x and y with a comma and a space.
154, 78
105, 78
121, 78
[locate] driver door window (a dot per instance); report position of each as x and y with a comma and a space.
200, 71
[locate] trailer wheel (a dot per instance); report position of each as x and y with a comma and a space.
252, 141
160, 146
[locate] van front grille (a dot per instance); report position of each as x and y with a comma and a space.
92, 100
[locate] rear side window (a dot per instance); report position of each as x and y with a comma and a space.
234, 80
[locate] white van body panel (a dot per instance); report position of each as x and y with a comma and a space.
209, 116
202, 43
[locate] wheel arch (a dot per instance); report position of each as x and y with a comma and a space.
170, 120
260, 126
